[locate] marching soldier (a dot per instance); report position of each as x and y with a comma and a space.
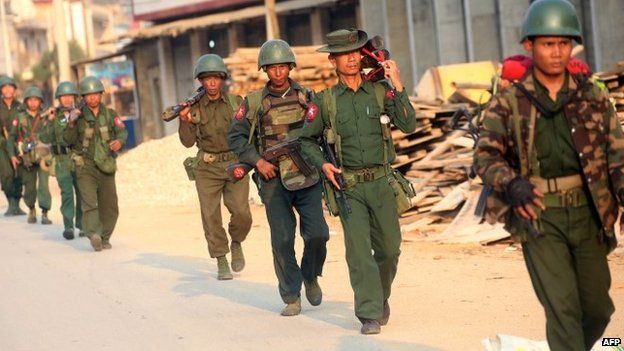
95, 138
62, 165
26, 156
9, 108
267, 117
552, 149
206, 124
357, 113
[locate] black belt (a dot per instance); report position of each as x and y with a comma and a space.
60, 150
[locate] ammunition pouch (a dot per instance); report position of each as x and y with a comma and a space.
104, 160
189, 166
403, 190
78, 160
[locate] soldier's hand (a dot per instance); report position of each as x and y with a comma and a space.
115, 145
391, 72
51, 114
522, 195
266, 168
185, 113
330, 172
15, 161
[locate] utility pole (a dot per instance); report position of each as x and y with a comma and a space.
8, 62
88, 22
62, 48
272, 26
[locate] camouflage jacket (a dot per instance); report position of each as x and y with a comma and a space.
596, 134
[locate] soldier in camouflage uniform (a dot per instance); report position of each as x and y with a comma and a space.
11, 184
552, 150
206, 124
359, 119
267, 117
62, 165
95, 138
27, 155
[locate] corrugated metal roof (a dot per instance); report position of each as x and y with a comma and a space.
179, 27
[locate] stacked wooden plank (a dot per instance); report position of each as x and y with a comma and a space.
614, 80
313, 70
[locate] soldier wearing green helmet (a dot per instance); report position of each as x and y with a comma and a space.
205, 124
266, 117
29, 156
95, 137
9, 108
552, 149
62, 166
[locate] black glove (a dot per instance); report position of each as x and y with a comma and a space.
520, 192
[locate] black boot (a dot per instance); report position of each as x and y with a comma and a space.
68, 233
44, 217
17, 211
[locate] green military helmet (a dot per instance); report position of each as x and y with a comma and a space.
551, 18
33, 92
90, 85
210, 63
65, 88
275, 51
6, 80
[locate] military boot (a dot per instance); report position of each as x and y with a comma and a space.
17, 210
292, 309
386, 313
223, 269
44, 217
11, 208
32, 216
370, 326
313, 292
106, 245
238, 259
68, 233
96, 242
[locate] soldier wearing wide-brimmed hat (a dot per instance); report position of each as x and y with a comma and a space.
357, 114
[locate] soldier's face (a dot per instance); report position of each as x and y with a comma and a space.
8, 91
66, 100
213, 85
550, 54
33, 103
278, 74
93, 100
348, 63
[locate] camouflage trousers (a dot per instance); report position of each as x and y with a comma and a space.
568, 267
279, 204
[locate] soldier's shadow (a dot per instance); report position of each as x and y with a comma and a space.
199, 278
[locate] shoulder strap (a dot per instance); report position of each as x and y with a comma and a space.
232, 99
329, 109
254, 101
528, 161
380, 94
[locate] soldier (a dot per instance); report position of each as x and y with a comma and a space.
26, 156
552, 149
95, 138
62, 165
206, 124
11, 184
267, 117
353, 111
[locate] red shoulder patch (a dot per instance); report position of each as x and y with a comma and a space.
119, 123
391, 94
312, 112
240, 113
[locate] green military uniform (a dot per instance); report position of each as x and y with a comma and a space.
95, 168
11, 184
372, 225
25, 133
572, 150
64, 170
279, 116
211, 121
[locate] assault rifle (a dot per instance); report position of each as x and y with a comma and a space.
292, 148
172, 112
330, 156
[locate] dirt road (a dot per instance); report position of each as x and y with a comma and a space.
156, 290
